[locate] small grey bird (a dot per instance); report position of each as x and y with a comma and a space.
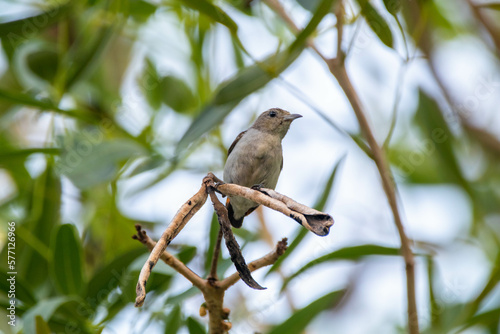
255, 159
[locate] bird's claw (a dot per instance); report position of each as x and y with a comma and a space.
257, 187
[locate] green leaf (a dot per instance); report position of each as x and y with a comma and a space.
393, 6
187, 253
438, 143
488, 5
44, 64
22, 288
310, 5
177, 94
173, 320
41, 326
14, 32
376, 22
67, 263
233, 91
345, 254
89, 161
150, 85
320, 206
324, 8
213, 233
45, 214
297, 323
141, 10
212, 11
195, 327
109, 276
45, 309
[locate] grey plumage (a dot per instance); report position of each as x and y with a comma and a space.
256, 158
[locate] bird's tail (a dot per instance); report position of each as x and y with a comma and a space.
235, 222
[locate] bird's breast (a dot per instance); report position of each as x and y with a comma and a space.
256, 159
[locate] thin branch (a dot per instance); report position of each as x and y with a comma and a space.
487, 24
180, 220
169, 259
264, 261
389, 188
337, 68
215, 258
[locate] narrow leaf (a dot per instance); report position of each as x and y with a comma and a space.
173, 320
297, 323
348, 253
195, 327
14, 32
321, 11
212, 11
109, 276
45, 309
67, 264
393, 6
42, 327
376, 22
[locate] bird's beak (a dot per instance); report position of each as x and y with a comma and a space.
292, 117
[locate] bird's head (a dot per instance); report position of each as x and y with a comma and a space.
275, 120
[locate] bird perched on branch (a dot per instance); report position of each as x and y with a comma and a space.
255, 159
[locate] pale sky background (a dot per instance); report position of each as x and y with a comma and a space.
438, 214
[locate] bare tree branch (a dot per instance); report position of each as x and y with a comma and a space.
180, 220
169, 259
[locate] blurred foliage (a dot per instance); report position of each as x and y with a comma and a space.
67, 62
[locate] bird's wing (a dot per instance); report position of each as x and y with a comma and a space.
235, 142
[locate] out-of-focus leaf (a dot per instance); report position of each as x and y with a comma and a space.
345, 254
150, 84
44, 218
324, 7
9, 154
299, 320
212, 11
23, 289
213, 233
488, 319
187, 253
194, 326
438, 138
41, 326
489, 5
14, 32
88, 164
173, 320
27, 100
108, 277
44, 64
376, 22
85, 58
393, 6
141, 10
310, 5
45, 309
177, 94
320, 206
233, 91
358, 139
67, 263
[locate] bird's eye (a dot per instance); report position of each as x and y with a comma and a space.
272, 114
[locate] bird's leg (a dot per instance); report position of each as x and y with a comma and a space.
217, 183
